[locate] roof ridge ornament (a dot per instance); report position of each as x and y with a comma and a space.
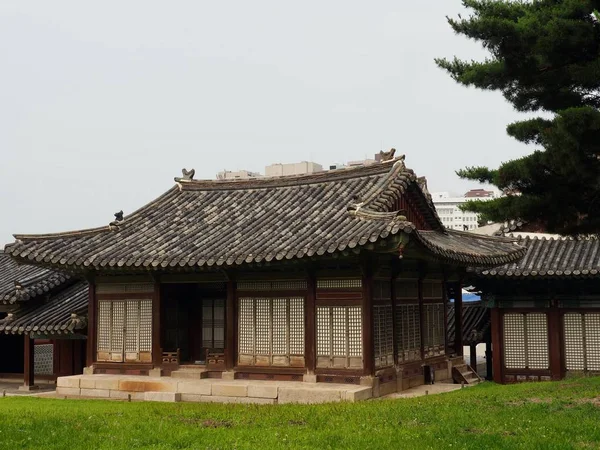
188, 175
387, 156
118, 220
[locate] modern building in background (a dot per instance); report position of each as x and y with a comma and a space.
300, 168
448, 208
237, 175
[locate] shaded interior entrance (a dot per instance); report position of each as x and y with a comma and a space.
193, 321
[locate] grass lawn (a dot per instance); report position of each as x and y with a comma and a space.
535, 415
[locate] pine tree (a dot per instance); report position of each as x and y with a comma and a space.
544, 56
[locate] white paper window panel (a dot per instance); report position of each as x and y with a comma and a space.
339, 283
132, 328
340, 331
582, 341
574, 349
263, 326
272, 285
514, 341
246, 326
592, 341
323, 331
297, 326
354, 331
537, 341
118, 326
280, 327
104, 325
145, 342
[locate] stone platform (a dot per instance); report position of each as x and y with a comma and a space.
167, 389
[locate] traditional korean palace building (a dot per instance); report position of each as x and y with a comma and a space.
339, 276
42, 322
545, 310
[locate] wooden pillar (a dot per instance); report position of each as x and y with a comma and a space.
473, 356
555, 342
394, 324
367, 321
92, 335
310, 323
421, 315
497, 344
156, 344
445, 300
230, 328
488, 359
458, 320
28, 373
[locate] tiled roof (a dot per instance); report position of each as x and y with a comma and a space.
224, 223
476, 322
64, 313
563, 257
24, 282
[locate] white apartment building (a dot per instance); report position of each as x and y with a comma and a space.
301, 168
237, 175
451, 215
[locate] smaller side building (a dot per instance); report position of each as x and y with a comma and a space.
545, 310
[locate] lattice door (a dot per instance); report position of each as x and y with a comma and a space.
339, 337
582, 341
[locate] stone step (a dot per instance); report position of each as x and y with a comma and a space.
189, 374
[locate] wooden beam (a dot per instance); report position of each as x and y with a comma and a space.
28, 366
156, 343
90, 355
497, 344
489, 370
230, 327
310, 320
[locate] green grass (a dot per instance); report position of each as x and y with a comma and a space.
536, 415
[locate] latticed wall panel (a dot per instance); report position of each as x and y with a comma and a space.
213, 323
408, 332
342, 283
434, 340
271, 331
124, 331
43, 359
383, 335
526, 341
339, 337
582, 341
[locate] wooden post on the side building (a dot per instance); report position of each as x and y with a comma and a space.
497, 363
310, 324
473, 356
90, 354
230, 328
156, 344
367, 319
554, 342
458, 320
28, 365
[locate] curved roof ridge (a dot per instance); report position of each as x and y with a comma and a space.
286, 180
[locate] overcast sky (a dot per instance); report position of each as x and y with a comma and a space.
103, 103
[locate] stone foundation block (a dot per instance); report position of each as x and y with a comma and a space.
162, 397
103, 383
68, 382
387, 388
155, 372
198, 388
367, 381
68, 391
100, 393
299, 395
357, 395
33, 387
441, 375
122, 395
416, 381
87, 383
230, 390
262, 391
309, 378
228, 375
88, 370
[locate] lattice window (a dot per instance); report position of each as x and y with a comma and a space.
382, 290
271, 331
407, 289
124, 288
213, 323
408, 332
323, 330
582, 341
124, 330
383, 337
346, 283
43, 359
432, 289
339, 336
246, 320
434, 341
282, 285
526, 341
